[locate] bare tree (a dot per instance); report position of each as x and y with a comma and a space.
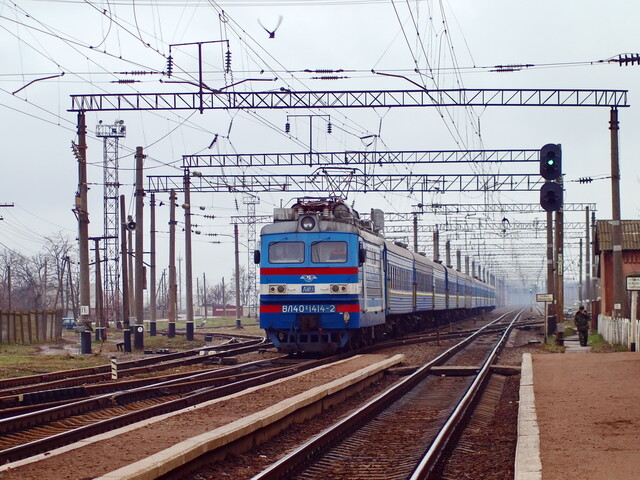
244, 285
36, 282
220, 293
58, 248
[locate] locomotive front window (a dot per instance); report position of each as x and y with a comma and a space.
286, 252
329, 252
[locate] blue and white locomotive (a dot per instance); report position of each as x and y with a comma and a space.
329, 281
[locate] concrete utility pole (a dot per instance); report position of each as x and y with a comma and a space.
187, 254
101, 331
125, 276
237, 247
594, 270
153, 310
82, 212
139, 332
179, 286
172, 264
132, 286
620, 304
447, 256
587, 270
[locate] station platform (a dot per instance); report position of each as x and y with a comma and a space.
579, 415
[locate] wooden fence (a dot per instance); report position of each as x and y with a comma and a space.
33, 326
619, 331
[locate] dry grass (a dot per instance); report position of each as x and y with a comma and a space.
22, 360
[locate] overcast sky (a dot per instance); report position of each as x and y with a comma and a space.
451, 44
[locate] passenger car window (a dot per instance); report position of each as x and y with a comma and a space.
286, 252
329, 252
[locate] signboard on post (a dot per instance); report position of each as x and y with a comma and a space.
633, 283
544, 297
547, 298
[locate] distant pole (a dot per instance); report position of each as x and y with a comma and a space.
132, 290
224, 299
580, 298
620, 304
551, 319
594, 318
179, 287
415, 232
587, 270
559, 234
204, 294
447, 253
100, 326
187, 255
172, 264
153, 310
126, 332
634, 321
237, 247
9, 284
139, 332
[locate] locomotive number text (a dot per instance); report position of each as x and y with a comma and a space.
308, 309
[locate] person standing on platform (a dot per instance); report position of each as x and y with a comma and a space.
582, 321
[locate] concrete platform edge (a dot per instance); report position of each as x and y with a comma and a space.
528, 465
166, 460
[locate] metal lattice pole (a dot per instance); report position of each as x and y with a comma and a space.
111, 135
252, 293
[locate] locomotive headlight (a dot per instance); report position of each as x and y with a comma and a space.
308, 223
335, 288
338, 288
277, 289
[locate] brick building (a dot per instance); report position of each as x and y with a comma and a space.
604, 259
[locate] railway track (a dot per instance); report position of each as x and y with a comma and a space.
404, 432
69, 384
26, 431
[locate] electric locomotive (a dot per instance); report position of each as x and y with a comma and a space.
329, 280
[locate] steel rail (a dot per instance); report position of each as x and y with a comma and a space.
326, 439
104, 371
201, 395
455, 420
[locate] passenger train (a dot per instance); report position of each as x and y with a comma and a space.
330, 281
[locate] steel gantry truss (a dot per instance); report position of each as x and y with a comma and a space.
480, 208
287, 99
360, 158
474, 208
482, 227
328, 180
